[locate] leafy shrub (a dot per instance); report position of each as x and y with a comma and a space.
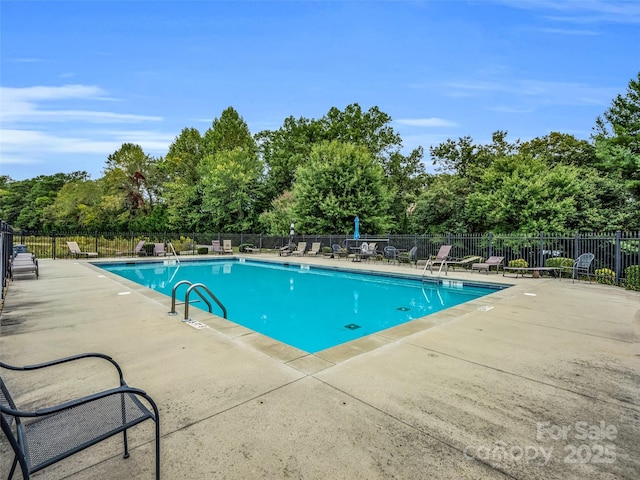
203, 250
606, 276
242, 248
560, 262
518, 263
632, 276
326, 250
184, 243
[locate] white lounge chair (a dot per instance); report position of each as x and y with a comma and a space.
488, 264
302, 247
74, 249
158, 250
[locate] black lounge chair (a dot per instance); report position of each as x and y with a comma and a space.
41, 437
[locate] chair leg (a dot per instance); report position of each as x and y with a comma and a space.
126, 445
13, 467
157, 447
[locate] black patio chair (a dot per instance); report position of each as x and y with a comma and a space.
582, 266
44, 436
390, 253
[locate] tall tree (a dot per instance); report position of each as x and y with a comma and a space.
180, 190
442, 206
405, 177
183, 157
370, 129
617, 137
522, 194
77, 206
285, 149
130, 172
23, 202
469, 160
560, 148
339, 182
229, 182
229, 175
229, 132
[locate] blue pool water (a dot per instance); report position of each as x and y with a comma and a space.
307, 307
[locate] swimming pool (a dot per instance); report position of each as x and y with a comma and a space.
310, 308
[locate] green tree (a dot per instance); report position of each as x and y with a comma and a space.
469, 160
442, 206
184, 206
76, 207
23, 202
617, 137
521, 194
180, 190
370, 129
130, 172
277, 220
228, 177
229, 132
230, 187
183, 157
284, 150
405, 177
339, 182
560, 148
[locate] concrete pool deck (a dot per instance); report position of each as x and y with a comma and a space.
537, 381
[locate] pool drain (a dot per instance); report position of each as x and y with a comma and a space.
403, 309
352, 326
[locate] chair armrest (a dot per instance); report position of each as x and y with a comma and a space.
41, 412
66, 360
91, 398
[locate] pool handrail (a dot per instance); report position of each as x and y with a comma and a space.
195, 287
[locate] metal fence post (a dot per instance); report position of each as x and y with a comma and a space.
618, 257
53, 245
541, 256
490, 245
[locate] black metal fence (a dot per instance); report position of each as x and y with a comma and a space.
615, 251
6, 250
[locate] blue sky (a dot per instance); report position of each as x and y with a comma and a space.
79, 79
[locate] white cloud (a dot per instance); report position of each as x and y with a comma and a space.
542, 92
28, 60
32, 142
425, 122
565, 31
582, 12
27, 94
510, 109
21, 105
42, 125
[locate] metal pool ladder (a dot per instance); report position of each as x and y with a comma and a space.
198, 288
175, 255
424, 271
